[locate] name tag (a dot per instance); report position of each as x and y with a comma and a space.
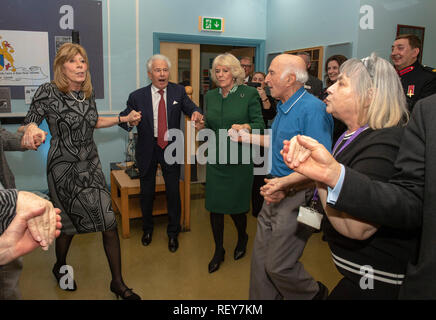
310, 217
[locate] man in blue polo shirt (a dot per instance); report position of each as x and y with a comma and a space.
276, 272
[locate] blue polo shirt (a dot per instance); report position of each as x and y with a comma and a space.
301, 114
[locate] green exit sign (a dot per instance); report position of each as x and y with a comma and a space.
211, 24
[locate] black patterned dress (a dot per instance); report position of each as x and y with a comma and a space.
75, 179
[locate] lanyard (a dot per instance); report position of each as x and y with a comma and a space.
341, 138
335, 152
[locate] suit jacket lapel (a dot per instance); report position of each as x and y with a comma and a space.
170, 101
149, 107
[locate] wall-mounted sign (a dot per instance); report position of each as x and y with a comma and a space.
211, 24
24, 58
56, 20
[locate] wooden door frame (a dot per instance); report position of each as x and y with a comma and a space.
258, 44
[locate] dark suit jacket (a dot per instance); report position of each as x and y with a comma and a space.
141, 100
8, 142
408, 201
315, 86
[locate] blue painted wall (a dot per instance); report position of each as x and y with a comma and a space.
243, 19
295, 24
284, 24
389, 13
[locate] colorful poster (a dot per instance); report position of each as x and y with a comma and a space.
24, 58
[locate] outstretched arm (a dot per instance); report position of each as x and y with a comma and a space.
396, 204
105, 122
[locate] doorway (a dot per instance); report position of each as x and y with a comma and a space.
192, 57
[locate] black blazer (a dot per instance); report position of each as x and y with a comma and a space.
141, 100
408, 201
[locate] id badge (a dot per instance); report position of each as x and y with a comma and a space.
310, 217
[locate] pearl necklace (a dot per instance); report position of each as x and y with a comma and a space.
84, 97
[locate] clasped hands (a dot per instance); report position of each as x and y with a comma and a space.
43, 223
198, 120
240, 133
134, 117
36, 224
307, 157
33, 137
310, 158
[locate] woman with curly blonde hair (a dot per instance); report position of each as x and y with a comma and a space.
236, 106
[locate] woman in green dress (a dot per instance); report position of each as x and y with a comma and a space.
235, 106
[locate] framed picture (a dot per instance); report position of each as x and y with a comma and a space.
417, 31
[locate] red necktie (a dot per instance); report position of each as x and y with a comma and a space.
161, 122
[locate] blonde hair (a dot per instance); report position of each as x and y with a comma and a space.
228, 60
381, 99
66, 52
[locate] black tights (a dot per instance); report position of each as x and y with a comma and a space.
217, 223
111, 244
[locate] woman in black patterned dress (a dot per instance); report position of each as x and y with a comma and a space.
76, 182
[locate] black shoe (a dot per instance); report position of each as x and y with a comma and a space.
125, 294
214, 264
323, 292
58, 276
173, 244
146, 239
240, 249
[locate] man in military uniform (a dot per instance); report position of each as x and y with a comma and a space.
418, 81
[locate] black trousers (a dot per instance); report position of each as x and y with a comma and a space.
171, 175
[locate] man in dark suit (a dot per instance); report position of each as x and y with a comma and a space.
313, 85
160, 104
247, 65
406, 202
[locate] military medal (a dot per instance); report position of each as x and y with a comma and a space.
411, 90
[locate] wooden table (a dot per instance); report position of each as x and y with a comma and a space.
125, 193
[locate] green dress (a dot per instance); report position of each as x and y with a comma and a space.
228, 184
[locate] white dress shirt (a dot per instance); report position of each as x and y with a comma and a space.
155, 97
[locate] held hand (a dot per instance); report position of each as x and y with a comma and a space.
196, 116
239, 127
199, 124
42, 227
134, 117
33, 137
198, 120
17, 238
310, 158
239, 136
274, 190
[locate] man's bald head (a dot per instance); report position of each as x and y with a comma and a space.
286, 74
292, 64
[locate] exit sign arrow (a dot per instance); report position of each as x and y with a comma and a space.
211, 24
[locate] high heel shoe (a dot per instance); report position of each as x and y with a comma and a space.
58, 276
123, 293
214, 264
241, 248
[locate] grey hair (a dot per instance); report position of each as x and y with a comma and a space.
157, 57
230, 61
305, 53
381, 99
301, 75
